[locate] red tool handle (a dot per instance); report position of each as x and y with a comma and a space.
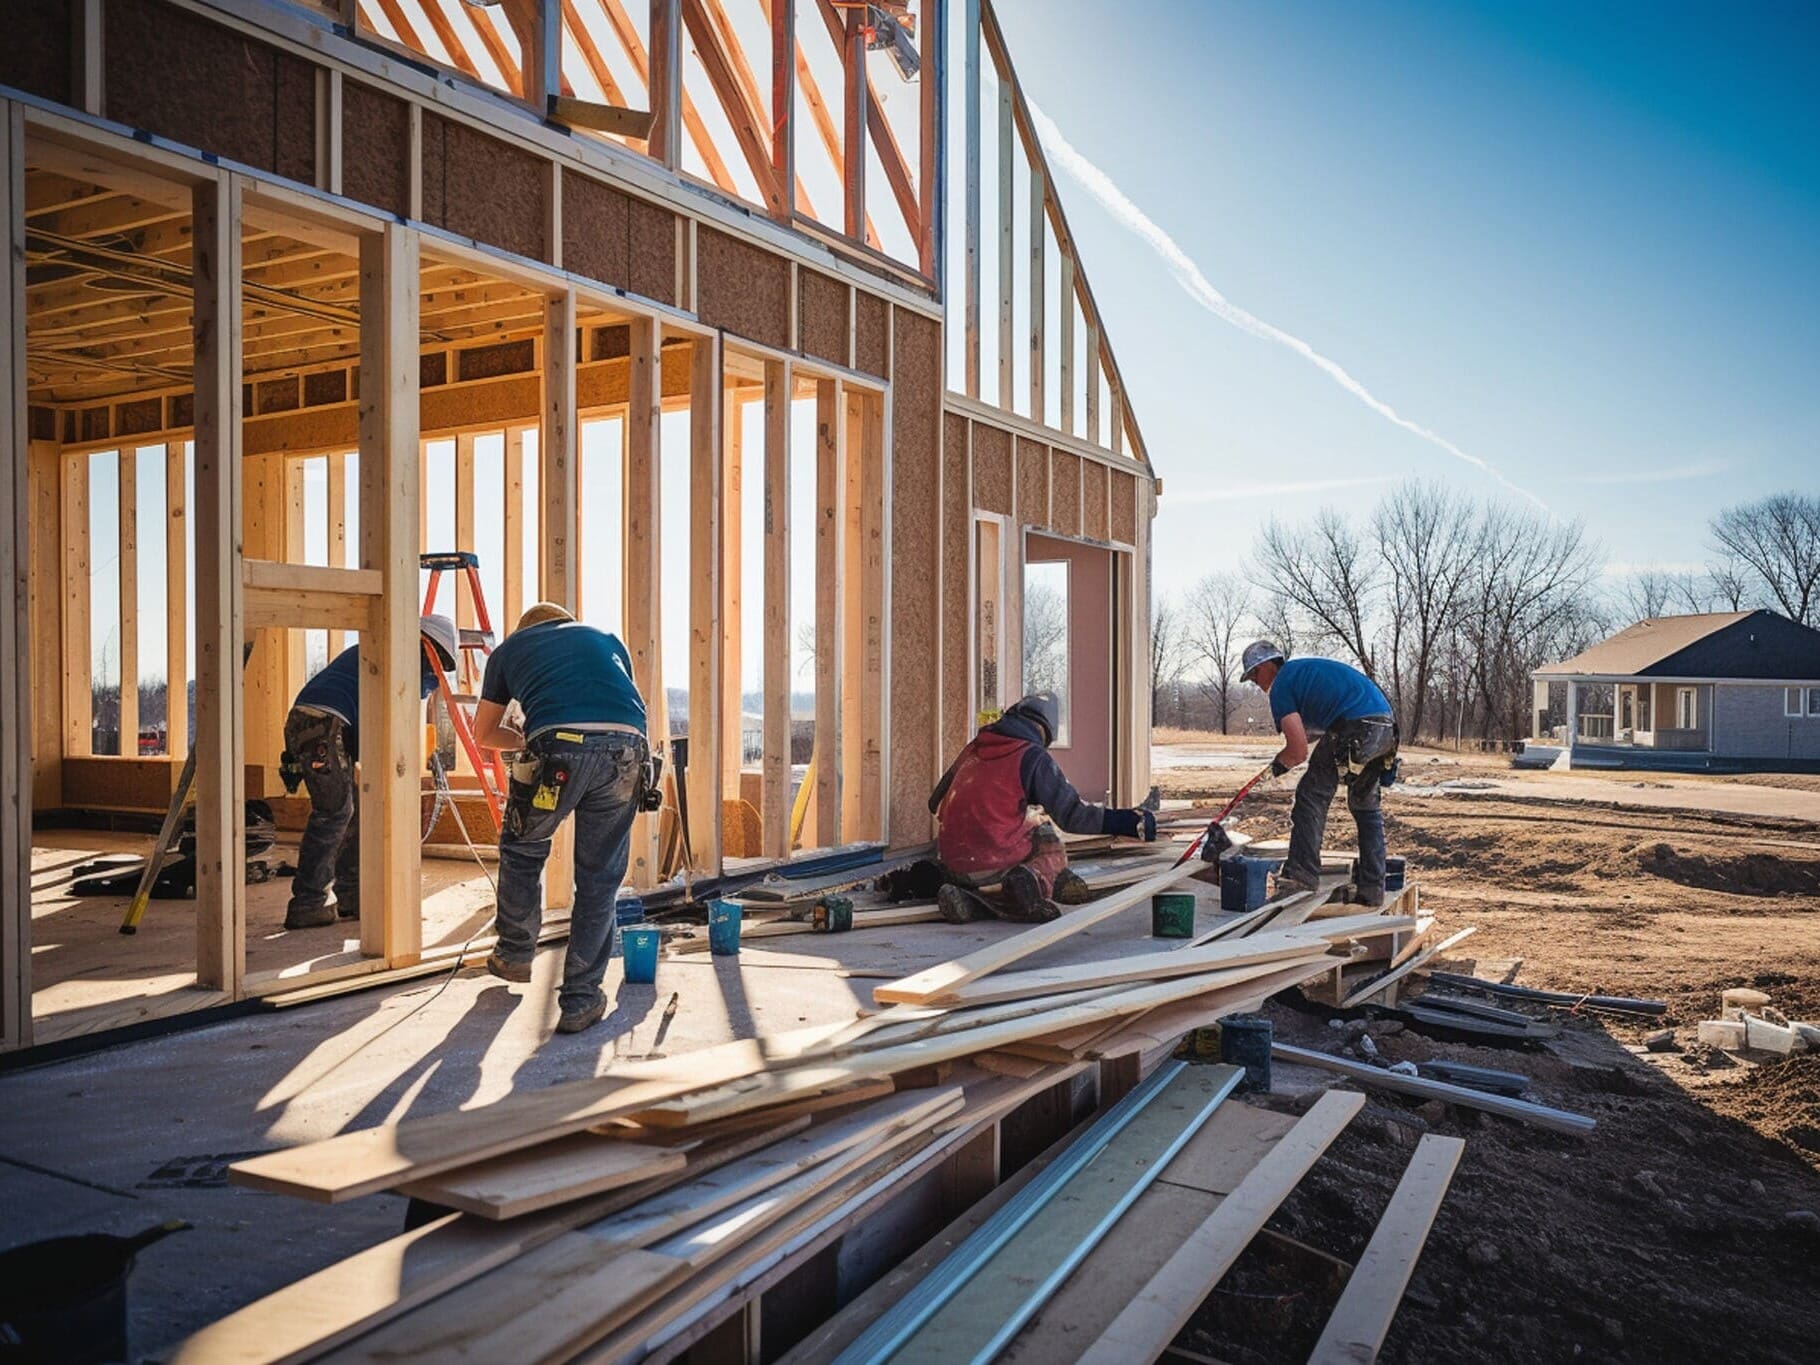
1201, 838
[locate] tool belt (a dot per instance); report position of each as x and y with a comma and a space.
1365, 748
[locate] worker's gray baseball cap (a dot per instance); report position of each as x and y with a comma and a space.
1040, 707
1257, 654
440, 632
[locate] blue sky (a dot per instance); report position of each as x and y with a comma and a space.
1581, 243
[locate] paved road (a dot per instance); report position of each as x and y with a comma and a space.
1736, 798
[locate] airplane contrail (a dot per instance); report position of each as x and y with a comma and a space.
1114, 200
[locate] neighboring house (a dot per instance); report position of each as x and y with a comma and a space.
1736, 689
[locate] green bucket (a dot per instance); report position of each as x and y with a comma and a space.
1172, 914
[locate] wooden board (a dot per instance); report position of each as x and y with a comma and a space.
553, 1173
1395, 974
856, 1093
946, 977
1355, 1331
1156, 1313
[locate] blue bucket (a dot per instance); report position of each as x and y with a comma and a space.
629, 910
1245, 1041
723, 928
641, 943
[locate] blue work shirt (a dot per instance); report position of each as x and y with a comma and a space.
336, 689
1324, 693
564, 673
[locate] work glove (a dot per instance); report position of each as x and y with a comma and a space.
1215, 845
1131, 824
1278, 767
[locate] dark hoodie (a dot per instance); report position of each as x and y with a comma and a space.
982, 798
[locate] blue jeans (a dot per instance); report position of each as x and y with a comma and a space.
598, 779
1374, 745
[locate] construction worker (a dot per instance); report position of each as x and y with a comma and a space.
321, 745
581, 750
1357, 746
983, 805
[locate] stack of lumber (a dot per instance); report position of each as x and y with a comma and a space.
623, 1206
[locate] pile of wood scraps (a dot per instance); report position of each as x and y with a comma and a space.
626, 1206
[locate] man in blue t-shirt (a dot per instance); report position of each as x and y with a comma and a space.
1357, 746
581, 749
322, 738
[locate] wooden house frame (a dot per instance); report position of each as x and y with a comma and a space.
249, 234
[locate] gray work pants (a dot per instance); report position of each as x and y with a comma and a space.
1373, 745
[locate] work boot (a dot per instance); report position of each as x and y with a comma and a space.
574, 1021
1294, 882
960, 906
308, 916
1071, 888
516, 972
347, 909
1371, 897
1024, 900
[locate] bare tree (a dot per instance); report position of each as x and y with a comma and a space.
1045, 637
1645, 594
1777, 539
1219, 608
1426, 537
1168, 650
1731, 585
1328, 574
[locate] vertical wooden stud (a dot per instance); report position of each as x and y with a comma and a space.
1007, 325
128, 489
830, 587
1092, 428
176, 605
88, 64
1038, 294
853, 135
513, 575
970, 38
853, 610
328, 130
931, 113
783, 102
1065, 342
644, 571
220, 776
78, 647
337, 498
46, 529
664, 79
391, 736
873, 586
775, 811
732, 604
464, 525
559, 525
16, 645
708, 512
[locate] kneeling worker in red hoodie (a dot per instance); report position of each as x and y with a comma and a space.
987, 836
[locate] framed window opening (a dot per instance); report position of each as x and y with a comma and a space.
1047, 646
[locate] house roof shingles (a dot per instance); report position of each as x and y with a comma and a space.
1754, 645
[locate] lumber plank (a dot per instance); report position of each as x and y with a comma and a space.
579, 1290
370, 1288
945, 977
554, 1173
1540, 1115
1156, 1313
739, 1124
1377, 984
1355, 1331
372, 1159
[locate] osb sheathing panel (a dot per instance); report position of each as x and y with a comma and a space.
1032, 483
1124, 507
822, 327
596, 231
375, 148
653, 252
742, 288
477, 186
1065, 478
1094, 512
957, 517
36, 55
179, 76
992, 471
915, 540
871, 325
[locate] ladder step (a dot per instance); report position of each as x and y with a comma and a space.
476, 639
449, 559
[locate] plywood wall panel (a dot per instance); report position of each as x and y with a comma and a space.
1095, 512
37, 54
653, 251
1065, 474
489, 190
915, 539
375, 148
822, 309
992, 469
742, 288
1124, 507
1032, 483
176, 74
957, 530
871, 328
596, 230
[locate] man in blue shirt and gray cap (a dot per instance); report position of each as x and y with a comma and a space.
1357, 746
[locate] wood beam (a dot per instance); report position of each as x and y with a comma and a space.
783, 98
16, 646
830, 589
220, 770
1065, 375
970, 38
878, 128
559, 473
853, 140
391, 736
1007, 324
664, 80
78, 646
708, 513
775, 810
127, 487
46, 529
691, 116
733, 477
513, 575
337, 499
1039, 298
644, 567
1092, 428
743, 116
932, 123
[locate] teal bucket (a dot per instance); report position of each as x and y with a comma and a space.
1172, 914
723, 928
641, 942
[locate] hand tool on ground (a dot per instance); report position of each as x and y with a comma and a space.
1242, 793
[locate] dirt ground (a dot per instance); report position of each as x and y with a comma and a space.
1687, 1227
